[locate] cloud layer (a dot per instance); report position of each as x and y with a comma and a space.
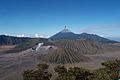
103, 30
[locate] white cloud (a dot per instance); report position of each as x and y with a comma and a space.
44, 36
36, 35
103, 30
22, 35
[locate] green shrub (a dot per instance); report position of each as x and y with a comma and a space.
39, 74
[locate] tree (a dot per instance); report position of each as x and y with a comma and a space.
40, 74
60, 69
80, 73
73, 73
101, 74
112, 68
28, 75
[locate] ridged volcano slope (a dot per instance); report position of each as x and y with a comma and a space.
86, 46
64, 55
73, 51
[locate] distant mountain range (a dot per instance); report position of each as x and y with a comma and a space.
11, 40
67, 34
62, 35
21, 43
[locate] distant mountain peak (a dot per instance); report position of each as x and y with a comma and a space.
67, 34
64, 34
65, 30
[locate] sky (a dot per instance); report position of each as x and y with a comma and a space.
47, 17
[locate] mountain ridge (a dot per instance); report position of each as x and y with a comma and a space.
67, 34
12, 40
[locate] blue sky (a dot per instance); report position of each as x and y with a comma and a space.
46, 17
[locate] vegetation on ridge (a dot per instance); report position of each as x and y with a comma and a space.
111, 71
